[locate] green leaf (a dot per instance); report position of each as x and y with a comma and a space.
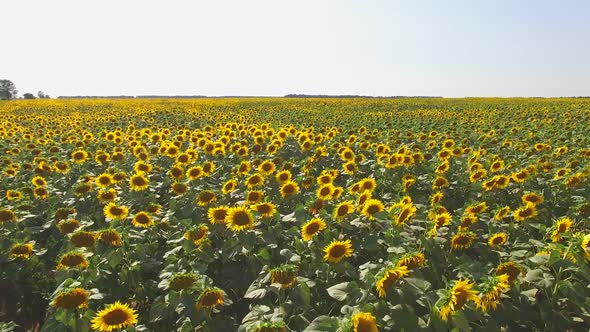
341, 291
323, 324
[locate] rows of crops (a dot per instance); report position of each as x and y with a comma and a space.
293, 214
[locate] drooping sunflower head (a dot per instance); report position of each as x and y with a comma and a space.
72, 259
198, 234
338, 250
525, 212
312, 228
412, 260
142, 219
389, 277
71, 299
21, 250
502, 213
364, 322
7, 215
511, 269
532, 198
210, 298
455, 298
285, 275
463, 240
180, 281
476, 209
110, 237
68, 226
491, 291
83, 239
114, 317
561, 226
239, 218
206, 197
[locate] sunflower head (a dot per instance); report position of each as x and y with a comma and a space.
217, 215
239, 218
180, 281
210, 298
7, 215
265, 209
497, 239
71, 299
337, 250
72, 259
491, 291
206, 197
83, 239
142, 219
110, 237
285, 275
114, 317
21, 250
460, 294
198, 234
312, 228
389, 277
364, 322
289, 189
372, 207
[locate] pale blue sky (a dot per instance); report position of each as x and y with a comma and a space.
448, 48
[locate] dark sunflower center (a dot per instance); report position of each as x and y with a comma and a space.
337, 251
139, 181
220, 214
462, 240
116, 317
365, 325
497, 240
142, 219
209, 299
372, 209
325, 191
116, 211
72, 260
264, 208
206, 196
312, 228
288, 189
241, 218
342, 210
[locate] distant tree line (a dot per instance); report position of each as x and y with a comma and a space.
8, 91
354, 96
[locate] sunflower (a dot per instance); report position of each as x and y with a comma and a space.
13, 195
497, 239
283, 177
364, 322
491, 292
412, 260
79, 156
138, 182
350, 167
114, 317
40, 193
83, 239
205, 198
497, 166
62, 167
229, 186
342, 210
154, 208
254, 196
324, 178
337, 250
325, 192
477, 208
372, 207
285, 275
142, 220
110, 237
217, 215
244, 168
104, 180
265, 209
532, 198
68, 226
511, 269
209, 167
290, 188
267, 167
390, 277
501, 181
456, 298
526, 212
7, 215
439, 183
312, 228
195, 173
561, 226
586, 246
39, 181
463, 240
76, 298
142, 167
198, 234
72, 259
442, 219
115, 212
254, 180
21, 250
239, 218
467, 220
367, 184
406, 212
179, 188
502, 213
210, 298
107, 195
180, 281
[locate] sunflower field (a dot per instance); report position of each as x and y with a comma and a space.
278, 214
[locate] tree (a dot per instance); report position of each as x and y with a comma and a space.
28, 95
7, 90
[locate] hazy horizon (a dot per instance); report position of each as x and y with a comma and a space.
269, 48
